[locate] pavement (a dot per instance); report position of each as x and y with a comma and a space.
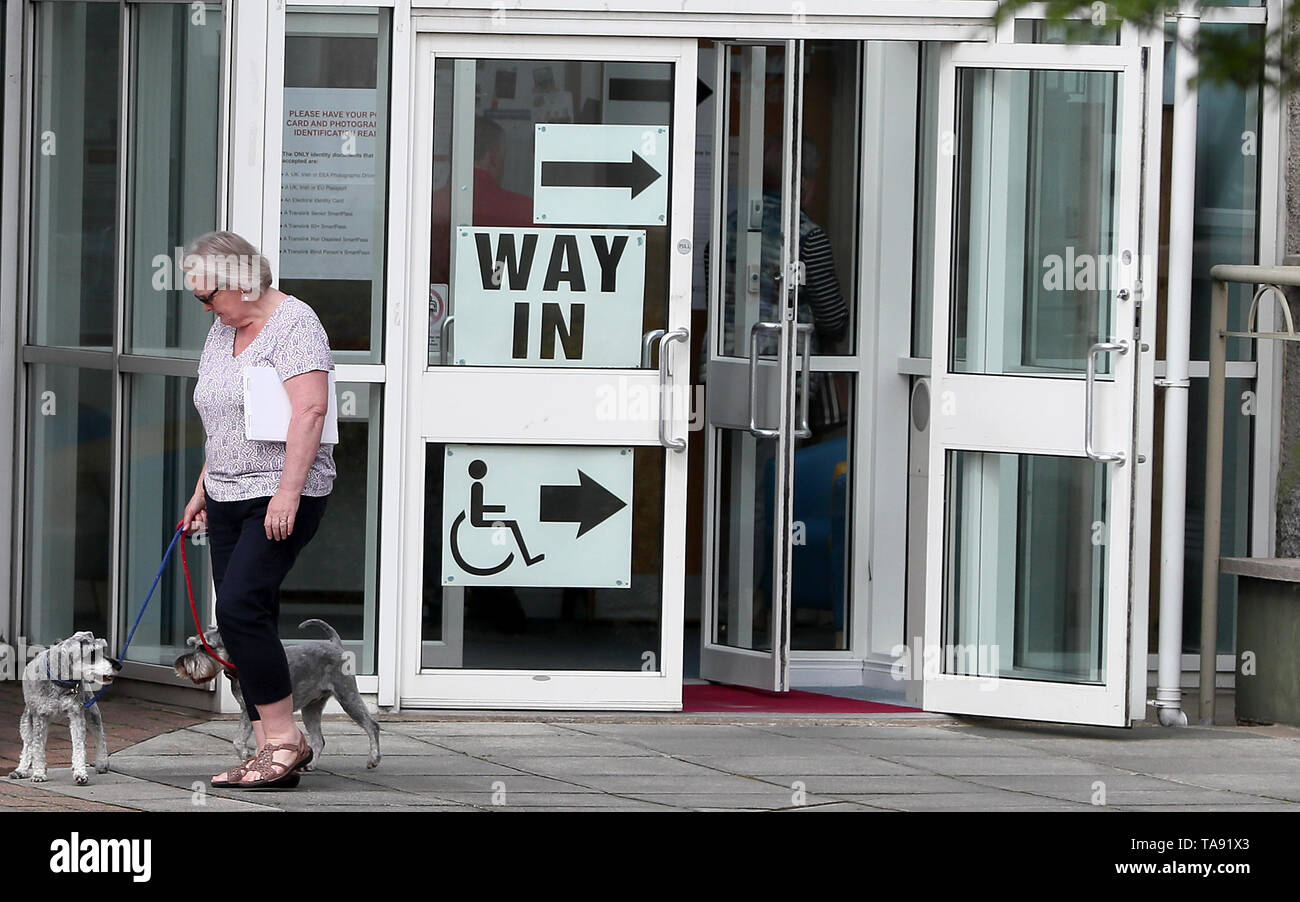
468, 761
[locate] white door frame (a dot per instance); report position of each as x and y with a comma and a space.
1052, 406
533, 409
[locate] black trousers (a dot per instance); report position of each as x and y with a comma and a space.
247, 569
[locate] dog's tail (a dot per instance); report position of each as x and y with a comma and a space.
334, 636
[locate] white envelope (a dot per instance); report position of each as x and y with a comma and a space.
267, 409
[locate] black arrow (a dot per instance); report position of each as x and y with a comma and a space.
588, 504
636, 174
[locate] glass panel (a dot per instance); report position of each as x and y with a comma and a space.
1025, 586
927, 153
547, 628
175, 90
334, 172
336, 577
1035, 257
483, 175
75, 175
743, 531
1241, 404
69, 502
1228, 124
164, 457
821, 536
828, 194
1083, 31
173, 191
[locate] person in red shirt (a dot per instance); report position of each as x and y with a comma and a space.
493, 205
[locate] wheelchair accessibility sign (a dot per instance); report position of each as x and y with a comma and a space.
537, 516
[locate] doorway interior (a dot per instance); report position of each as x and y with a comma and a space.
785, 481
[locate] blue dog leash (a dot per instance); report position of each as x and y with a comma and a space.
138, 617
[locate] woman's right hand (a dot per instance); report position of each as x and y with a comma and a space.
196, 514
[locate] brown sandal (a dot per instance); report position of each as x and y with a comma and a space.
236, 774
284, 774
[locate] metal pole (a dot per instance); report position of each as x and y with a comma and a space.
1173, 500
1213, 498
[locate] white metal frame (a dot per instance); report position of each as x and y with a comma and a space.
960, 406
428, 416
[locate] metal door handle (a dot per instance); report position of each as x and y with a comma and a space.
647, 341
444, 332
1102, 347
754, 428
665, 390
805, 330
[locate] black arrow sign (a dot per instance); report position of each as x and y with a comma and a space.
635, 174
588, 504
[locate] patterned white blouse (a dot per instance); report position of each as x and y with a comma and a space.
293, 341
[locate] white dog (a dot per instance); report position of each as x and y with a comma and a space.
58, 683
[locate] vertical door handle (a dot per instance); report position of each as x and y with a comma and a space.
1102, 347
444, 332
647, 341
665, 389
754, 428
804, 430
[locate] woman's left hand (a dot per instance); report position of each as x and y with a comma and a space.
281, 511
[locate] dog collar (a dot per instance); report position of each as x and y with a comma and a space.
66, 684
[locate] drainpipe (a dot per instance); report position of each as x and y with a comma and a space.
1173, 499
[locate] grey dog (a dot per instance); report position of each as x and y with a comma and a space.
318, 670
58, 683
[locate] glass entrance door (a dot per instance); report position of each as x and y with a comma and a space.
1033, 397
754, 408
546, 474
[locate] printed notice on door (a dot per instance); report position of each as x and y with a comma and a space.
327, 194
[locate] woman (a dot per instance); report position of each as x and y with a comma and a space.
260, 501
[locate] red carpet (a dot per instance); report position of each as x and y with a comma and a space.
712, 699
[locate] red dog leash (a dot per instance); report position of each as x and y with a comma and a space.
189, 591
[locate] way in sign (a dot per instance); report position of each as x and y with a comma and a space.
572, 296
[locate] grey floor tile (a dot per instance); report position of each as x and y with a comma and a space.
579, 766
893, 785
813, 763
954, 765
1080, 785
635, 783
971, 802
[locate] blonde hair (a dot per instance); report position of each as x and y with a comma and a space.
226, 260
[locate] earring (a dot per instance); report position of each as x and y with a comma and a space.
245, 298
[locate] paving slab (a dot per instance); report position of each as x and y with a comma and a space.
565, 746
569, 766
954, 765
813, 763
703, 783
982, 801
780, 801
907, 784
1079, 784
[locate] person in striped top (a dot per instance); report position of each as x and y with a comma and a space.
820, 302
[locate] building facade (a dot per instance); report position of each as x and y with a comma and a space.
814, 344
